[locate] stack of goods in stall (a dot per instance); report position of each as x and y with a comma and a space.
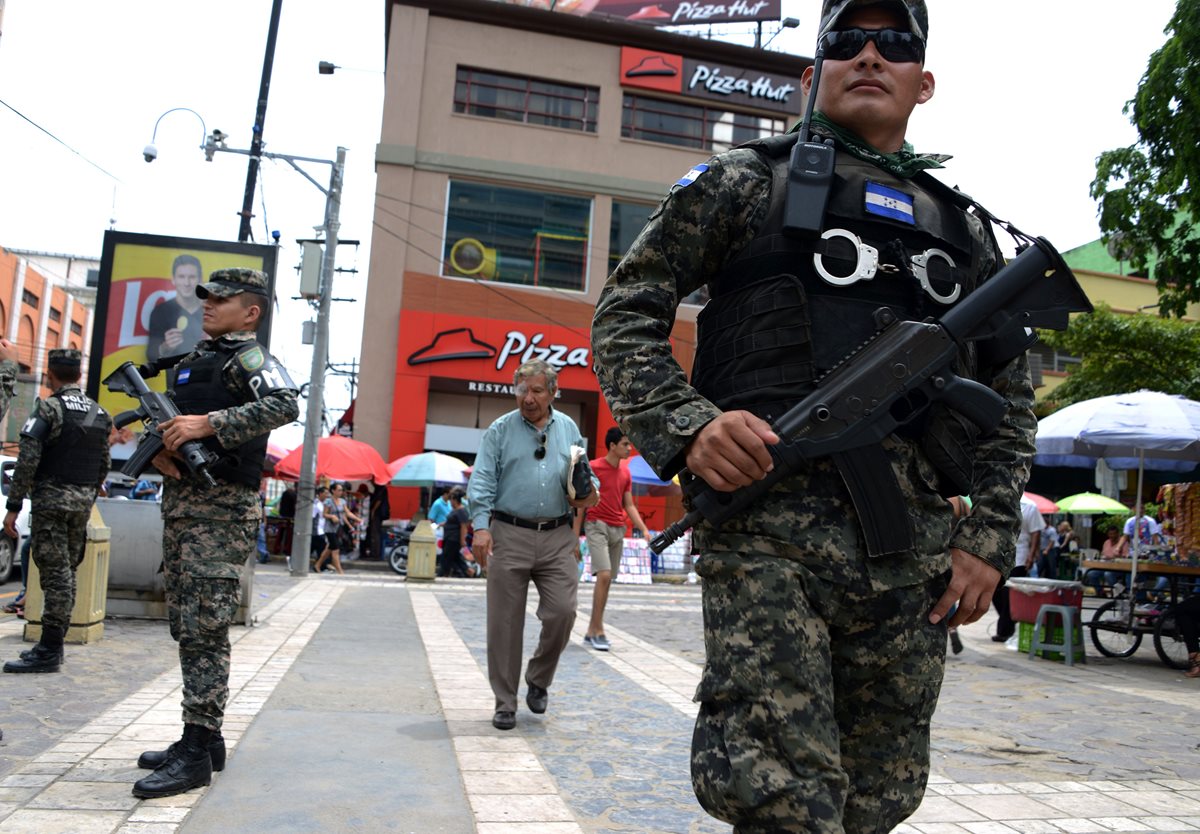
1182, 502
635, 563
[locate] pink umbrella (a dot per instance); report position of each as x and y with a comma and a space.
1044, 505
398, 464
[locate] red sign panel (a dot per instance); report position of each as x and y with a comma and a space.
651, 70
664, 12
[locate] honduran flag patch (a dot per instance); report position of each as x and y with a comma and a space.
691, 176
888, 202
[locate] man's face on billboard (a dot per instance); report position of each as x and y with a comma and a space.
185, 279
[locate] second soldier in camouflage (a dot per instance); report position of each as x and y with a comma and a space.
231, 392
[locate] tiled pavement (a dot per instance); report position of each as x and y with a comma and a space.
1020, 745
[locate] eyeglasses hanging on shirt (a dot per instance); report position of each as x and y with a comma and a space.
540, 451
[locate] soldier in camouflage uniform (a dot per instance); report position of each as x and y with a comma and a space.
63, 462
8, 389
824, 661
231, 393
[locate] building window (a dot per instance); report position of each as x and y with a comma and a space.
29, 298
693, 125
516, 236
527, 100
627, 221
77, 328
1053, 360
55, 315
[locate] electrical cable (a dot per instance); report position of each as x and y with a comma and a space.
59, 141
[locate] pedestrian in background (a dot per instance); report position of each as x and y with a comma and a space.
63, 461
230, 392
522, 516
337, 517
454, 538
1027, 551
825, 650
605, 528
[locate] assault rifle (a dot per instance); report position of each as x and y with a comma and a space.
153, 408
893, 378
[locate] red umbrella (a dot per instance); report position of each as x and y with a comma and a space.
1044, 505
339, 459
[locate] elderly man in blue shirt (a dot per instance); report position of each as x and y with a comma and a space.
522, 514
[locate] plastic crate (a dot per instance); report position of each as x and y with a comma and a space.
1055, 633
1027, 596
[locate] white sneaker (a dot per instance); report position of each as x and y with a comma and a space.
599, 643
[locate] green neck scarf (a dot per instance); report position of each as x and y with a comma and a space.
904, 163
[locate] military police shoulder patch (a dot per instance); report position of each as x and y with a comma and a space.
252, 359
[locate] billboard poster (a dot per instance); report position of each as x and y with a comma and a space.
147, 308
663, 12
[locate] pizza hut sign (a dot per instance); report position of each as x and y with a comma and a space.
522, 348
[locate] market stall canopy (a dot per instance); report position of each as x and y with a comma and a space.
1089, 503
398, 464
430, 469
1162, 429
1044, 505
338, 459
645, 482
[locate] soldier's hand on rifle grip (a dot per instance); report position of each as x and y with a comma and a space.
972, 583
164, 462
731, 451
185, 427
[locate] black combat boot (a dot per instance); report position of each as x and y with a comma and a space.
153, 759
189, 766
46, 656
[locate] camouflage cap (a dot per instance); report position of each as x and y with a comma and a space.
226, 282
68, 357
918, 15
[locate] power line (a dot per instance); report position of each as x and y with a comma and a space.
59, 141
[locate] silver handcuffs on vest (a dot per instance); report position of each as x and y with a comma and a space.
868, 265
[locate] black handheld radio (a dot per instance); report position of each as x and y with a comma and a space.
810, 173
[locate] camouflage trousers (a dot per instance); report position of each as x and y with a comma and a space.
816, 698
59, 539
202, 560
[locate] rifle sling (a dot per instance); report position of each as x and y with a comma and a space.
878, 500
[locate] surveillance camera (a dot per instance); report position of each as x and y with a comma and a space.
150, 153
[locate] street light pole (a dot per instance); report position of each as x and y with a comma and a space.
306, 489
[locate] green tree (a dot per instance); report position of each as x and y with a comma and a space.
1122, 353
1149, 199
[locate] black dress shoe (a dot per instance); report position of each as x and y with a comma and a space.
1001, 638
504, 720
38, 659
537, 699
154, 759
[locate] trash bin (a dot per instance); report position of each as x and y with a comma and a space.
1027, 595
91, 589
422, 552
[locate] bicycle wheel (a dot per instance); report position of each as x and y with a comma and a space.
1168, 642
1111, 631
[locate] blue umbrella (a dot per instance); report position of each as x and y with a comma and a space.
642, 474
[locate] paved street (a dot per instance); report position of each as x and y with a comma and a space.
360, 704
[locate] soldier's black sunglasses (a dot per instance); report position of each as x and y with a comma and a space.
894, 45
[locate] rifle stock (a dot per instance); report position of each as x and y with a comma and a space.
893, 378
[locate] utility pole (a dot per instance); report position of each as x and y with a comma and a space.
306, 489
260, 118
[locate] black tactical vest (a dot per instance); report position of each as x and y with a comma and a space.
76, 456
786, 309
197, 388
